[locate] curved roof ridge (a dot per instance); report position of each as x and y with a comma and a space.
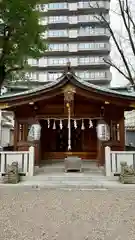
36, 89
66, 76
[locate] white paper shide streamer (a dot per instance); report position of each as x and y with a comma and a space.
75, 124
90, 123
54, 125
82, 127
48, 122
61, 126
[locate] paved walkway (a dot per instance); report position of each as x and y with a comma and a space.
42, 214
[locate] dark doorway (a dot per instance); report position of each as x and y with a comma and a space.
56, 140
62, 138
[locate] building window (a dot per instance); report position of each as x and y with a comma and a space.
42, 62
84, 4
97, 60
89, 18
57, 61
99, 45
58, 19
73, 19
53, 76
98, 75
42, 77
101, 4
88, 60
58, 47
58, 33
85, 75
73, 60
83, 18
62, 5
32, 76
88, 31
73, 33
91, 74
84, 60
33, 62
89, 46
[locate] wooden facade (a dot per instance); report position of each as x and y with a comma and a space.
88, 102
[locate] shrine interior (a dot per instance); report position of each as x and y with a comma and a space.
54, 138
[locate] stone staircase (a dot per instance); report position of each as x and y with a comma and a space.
58, 167
70, 180
53, 176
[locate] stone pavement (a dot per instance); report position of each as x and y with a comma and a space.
43, 214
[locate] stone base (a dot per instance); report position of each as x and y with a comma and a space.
11, 179
129, 179
73, 163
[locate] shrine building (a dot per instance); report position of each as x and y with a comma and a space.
69, 112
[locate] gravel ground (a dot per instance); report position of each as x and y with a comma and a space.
27, 213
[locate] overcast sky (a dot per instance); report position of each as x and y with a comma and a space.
116, 23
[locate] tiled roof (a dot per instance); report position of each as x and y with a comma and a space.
121, 92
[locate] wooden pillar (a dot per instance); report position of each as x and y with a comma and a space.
122, 132
16, 133
24, 131
99, 152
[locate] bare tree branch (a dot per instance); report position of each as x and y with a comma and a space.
123, 13
126, 25
116, 67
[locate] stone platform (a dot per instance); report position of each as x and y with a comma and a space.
54, 176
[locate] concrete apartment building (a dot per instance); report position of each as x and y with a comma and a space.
76, 35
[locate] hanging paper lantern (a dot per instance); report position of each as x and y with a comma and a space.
54, 125
34, 132
90, 123
61, 126
82, 127
75, 124
103, 131
48, 122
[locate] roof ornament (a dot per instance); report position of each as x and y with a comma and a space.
68, 67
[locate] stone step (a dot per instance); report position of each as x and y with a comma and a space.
60, 169
70, 178
74, 185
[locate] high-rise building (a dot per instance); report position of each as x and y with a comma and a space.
75, 34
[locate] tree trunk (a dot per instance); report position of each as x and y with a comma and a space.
2, 75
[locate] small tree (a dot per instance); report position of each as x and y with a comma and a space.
20, 36
123, 41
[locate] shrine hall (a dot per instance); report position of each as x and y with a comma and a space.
71, 117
